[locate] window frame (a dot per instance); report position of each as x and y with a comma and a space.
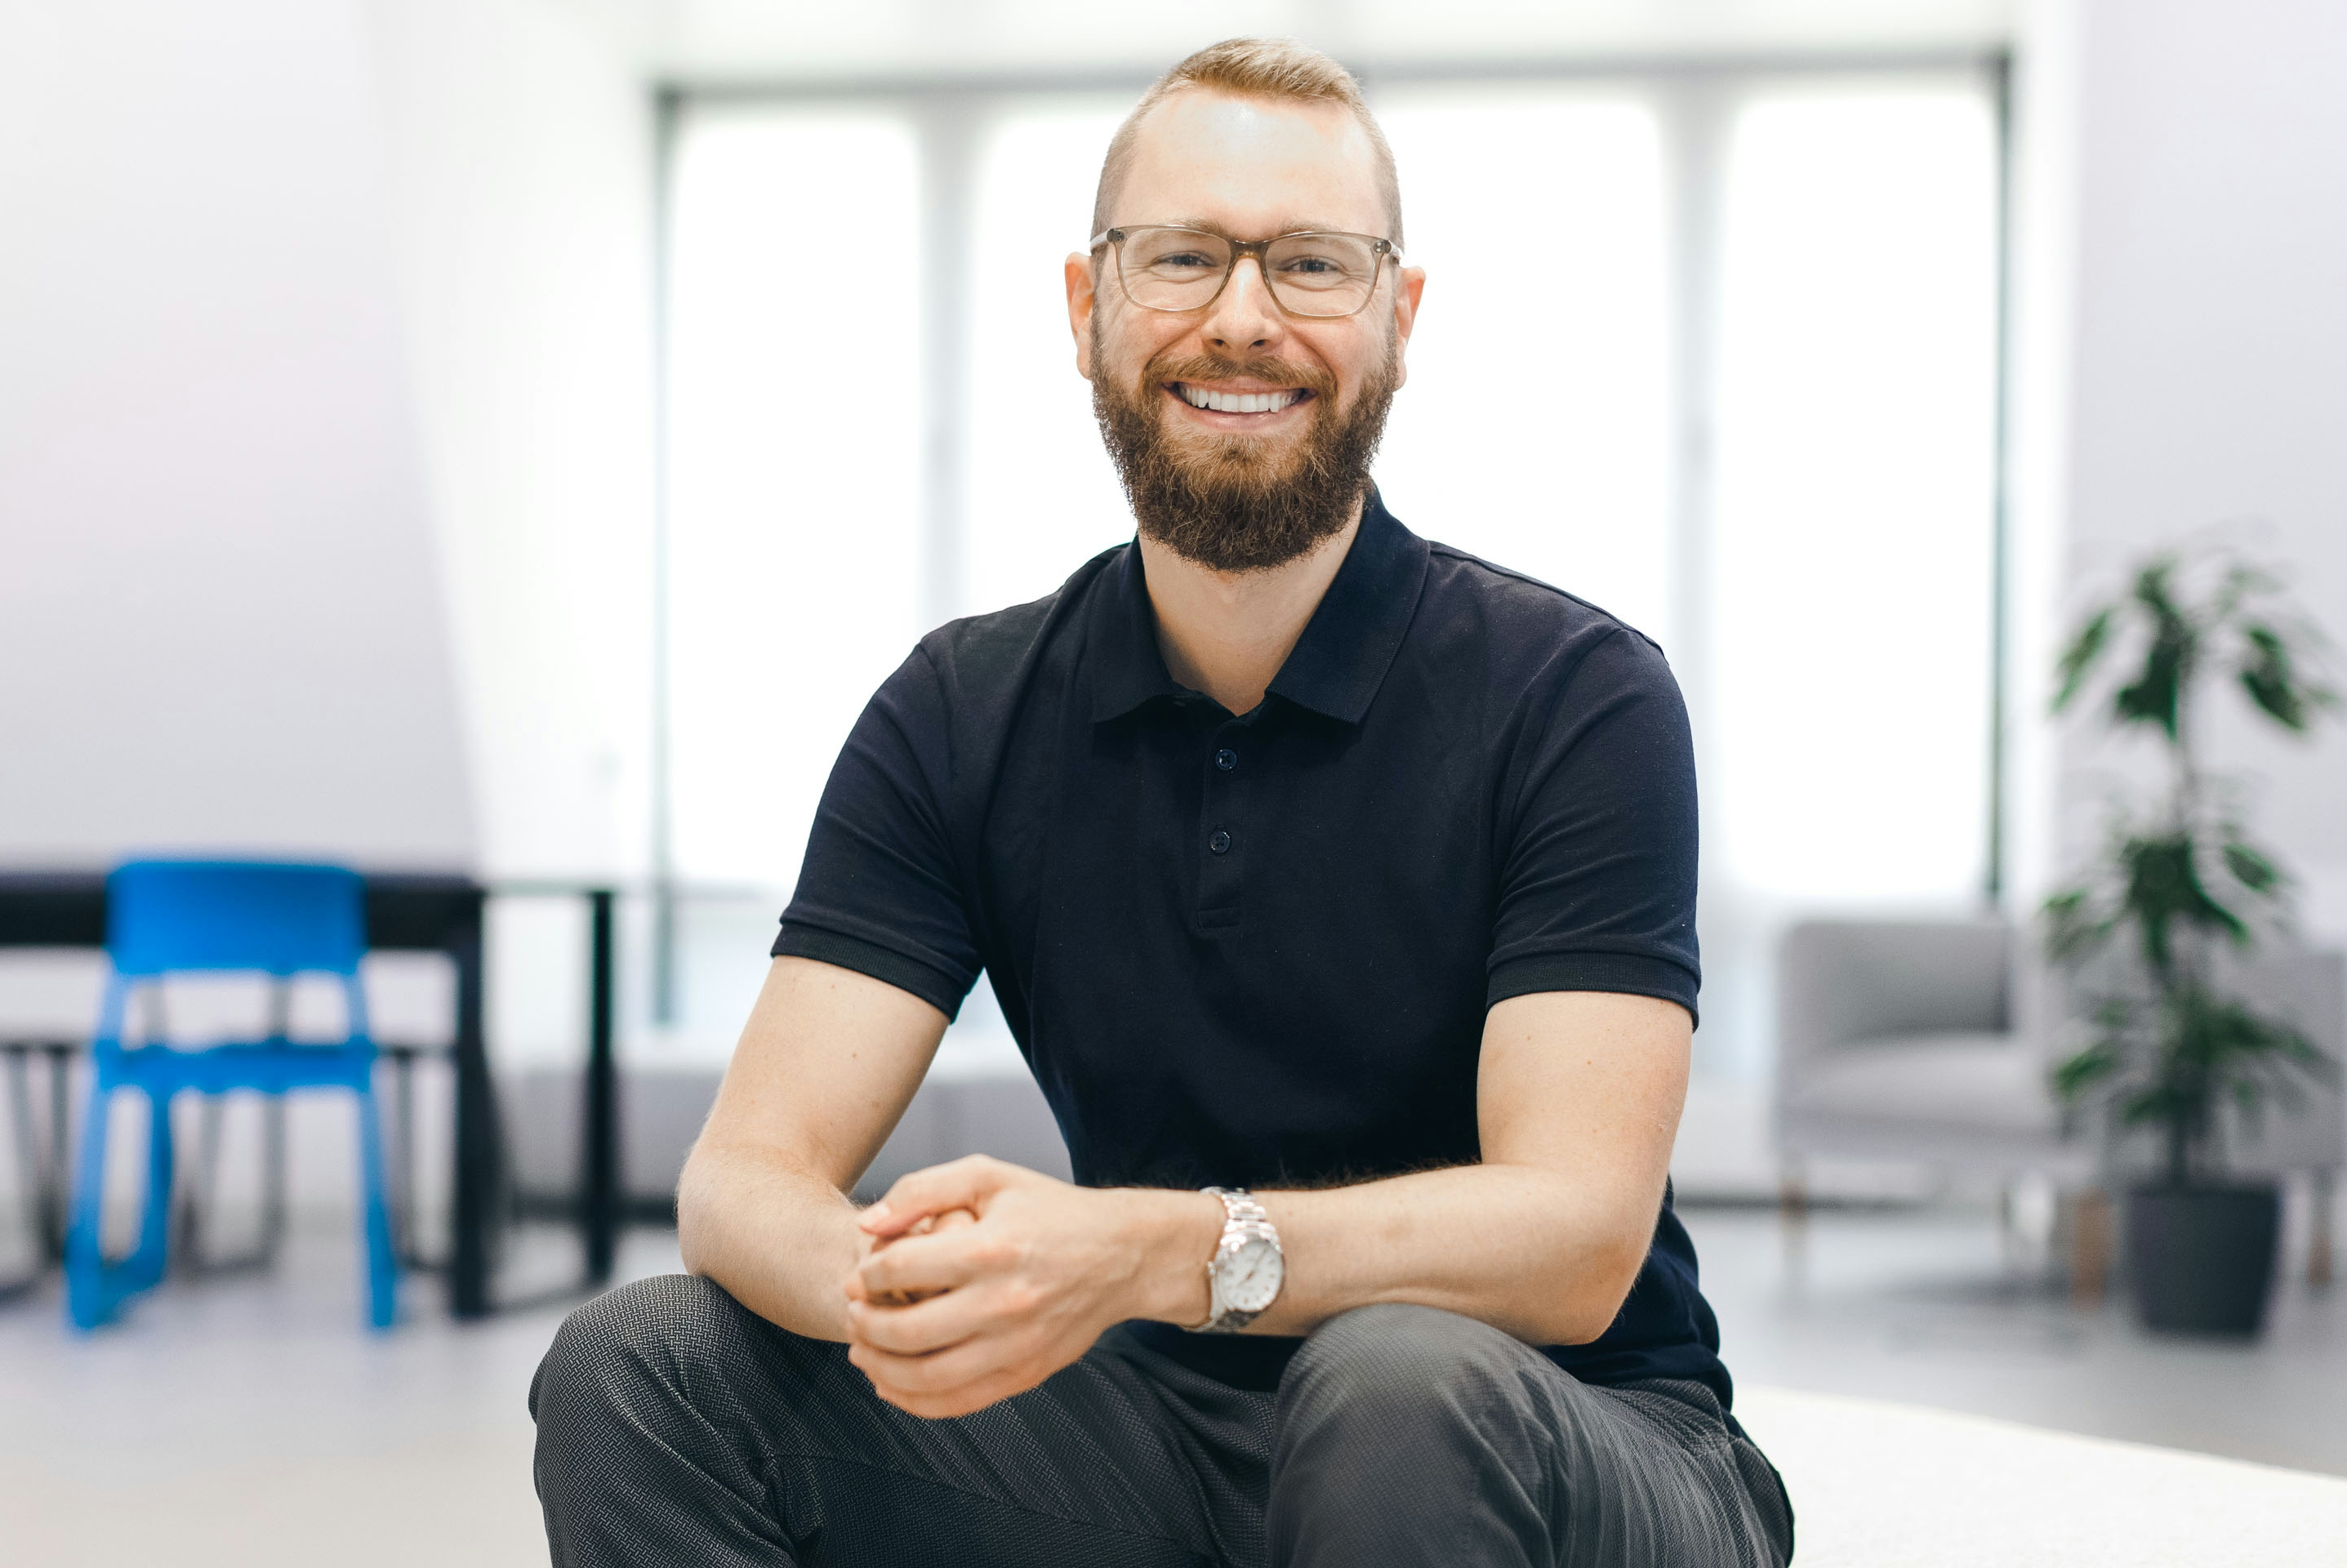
1695, 99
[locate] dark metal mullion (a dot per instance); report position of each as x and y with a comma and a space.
477, 1153
599, 1156
2000, 679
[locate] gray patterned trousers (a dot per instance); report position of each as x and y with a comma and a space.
676, 1427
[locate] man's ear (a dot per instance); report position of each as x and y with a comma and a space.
1079, 309
1409, 283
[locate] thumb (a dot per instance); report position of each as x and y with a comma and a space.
964, 1184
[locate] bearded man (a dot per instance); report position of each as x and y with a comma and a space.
1344, 877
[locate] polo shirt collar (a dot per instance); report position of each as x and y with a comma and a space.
1336, 667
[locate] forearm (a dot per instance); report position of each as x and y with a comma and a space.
780, 1240
1527, 1250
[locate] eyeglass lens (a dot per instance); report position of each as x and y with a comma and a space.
1309, 274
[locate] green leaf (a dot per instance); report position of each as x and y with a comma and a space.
2154, 696
2073, 930
2075, 1076
2164, 888
2267, 676
2252, 869
2078, 659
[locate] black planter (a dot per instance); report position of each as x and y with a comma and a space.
2200, 1260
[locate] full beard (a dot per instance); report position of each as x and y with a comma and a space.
1235, 503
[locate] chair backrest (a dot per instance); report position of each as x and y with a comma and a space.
1842, 980
275, 918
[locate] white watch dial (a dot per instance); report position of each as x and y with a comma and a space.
1251, 1275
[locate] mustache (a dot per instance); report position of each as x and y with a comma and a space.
1277, 372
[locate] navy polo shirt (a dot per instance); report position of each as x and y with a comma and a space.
1256, 949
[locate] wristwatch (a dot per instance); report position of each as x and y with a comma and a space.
1243, 1277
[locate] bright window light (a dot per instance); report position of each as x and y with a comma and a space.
1532, 430
1043, 498
1856, 454
794, 479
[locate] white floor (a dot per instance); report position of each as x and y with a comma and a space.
250, 1421
253, 1422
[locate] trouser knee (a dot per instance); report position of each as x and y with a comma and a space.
656, 1340
1379, 1374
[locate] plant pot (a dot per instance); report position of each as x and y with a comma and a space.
2200, 1260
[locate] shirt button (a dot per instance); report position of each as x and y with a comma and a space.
1227, 759
1220, 843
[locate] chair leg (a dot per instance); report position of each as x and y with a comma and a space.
2090, 1249
1792, 1190
381, 1261
272, 1177
144, 1267
199, 1194
28, 1153
2319, 1258
88, 1298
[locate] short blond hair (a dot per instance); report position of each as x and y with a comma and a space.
1276, 68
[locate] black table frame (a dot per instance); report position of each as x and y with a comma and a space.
422, 912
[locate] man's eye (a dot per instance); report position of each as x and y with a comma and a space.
1181, 261
1312, 266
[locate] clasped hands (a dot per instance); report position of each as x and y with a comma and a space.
980, 1278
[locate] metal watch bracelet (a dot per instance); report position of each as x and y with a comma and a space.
1248, 1249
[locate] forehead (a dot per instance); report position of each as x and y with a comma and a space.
1253, 167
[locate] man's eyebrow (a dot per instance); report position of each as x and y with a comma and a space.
1293, 226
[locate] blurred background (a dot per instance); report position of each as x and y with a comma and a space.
499, 445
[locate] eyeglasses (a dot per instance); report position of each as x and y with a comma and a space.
1168, 268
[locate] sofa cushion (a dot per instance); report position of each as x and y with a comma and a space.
1991, 1082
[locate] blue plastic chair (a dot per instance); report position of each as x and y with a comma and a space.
179, 917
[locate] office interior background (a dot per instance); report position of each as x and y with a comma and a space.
512, 438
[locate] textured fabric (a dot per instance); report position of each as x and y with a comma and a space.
674, 1426
1257, 950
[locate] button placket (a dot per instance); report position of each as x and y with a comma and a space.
1222, 835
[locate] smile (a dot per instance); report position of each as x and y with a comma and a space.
1236, 402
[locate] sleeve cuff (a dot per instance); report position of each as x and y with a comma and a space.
1631, 974
937, 986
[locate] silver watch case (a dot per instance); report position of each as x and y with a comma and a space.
1245, 1274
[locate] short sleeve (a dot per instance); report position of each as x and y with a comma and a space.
878, 890
1597, 887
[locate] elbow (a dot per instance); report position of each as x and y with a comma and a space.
692, 1219
1591, 1299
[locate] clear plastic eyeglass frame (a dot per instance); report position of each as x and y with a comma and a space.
1295, 296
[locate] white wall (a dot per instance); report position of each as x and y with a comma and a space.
520, 149
220, 619
2211, 369
326, 455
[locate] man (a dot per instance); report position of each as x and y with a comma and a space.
1346, 877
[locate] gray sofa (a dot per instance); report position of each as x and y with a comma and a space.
1902, 1041
1932, 1041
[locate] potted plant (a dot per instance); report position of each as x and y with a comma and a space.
2168, 1047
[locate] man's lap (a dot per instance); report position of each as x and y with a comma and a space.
676, 1425
1101, 1463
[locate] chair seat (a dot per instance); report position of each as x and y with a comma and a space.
269, 1066
1984, 1083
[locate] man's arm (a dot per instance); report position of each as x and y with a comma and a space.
1579, 1095
826, 1064
1577, 1100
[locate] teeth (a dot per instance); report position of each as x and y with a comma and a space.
1236, 402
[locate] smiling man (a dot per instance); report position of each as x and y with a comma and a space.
1338, 888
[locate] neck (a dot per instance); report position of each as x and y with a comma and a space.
1226, 633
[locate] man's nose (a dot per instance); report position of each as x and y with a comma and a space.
1245, 318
